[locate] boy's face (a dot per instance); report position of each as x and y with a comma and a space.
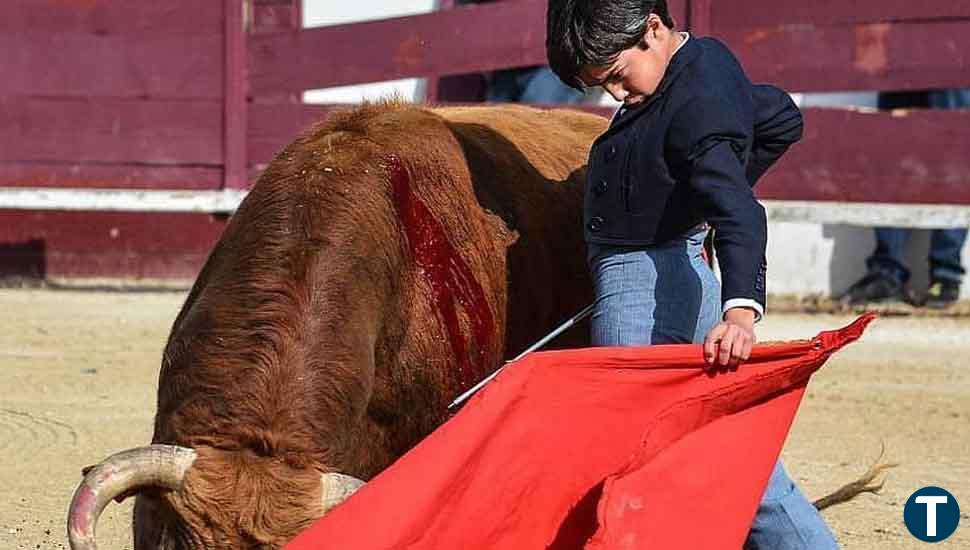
637, 71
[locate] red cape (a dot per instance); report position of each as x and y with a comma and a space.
599, 448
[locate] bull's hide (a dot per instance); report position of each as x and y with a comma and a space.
608, 448
384, 262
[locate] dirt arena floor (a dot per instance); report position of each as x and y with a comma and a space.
79, 373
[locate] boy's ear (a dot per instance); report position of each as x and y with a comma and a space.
653, 27
651, 31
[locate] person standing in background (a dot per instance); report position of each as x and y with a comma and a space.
887, 276
536, 84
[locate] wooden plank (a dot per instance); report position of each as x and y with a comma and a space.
235, 92
699, 13
439, 87
274, 126
138, 17
456, 41
917, 157
109, 176
109, 244
879, 56
928, 50
772, 13
78, 64
680, 12
110, 130
276, 15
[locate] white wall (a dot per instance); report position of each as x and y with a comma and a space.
806, 258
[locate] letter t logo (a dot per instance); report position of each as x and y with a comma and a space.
931, 502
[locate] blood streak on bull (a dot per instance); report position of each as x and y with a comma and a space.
449, 276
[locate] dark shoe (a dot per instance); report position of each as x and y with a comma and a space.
874, 288
942, 294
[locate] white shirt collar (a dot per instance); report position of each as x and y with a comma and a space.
686, 36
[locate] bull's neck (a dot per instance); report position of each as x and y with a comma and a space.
455, 290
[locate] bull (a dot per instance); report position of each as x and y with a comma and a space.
384, 261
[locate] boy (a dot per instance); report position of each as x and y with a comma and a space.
691, 138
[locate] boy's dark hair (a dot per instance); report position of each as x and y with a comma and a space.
581, 33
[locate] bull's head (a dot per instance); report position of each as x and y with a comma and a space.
162, 470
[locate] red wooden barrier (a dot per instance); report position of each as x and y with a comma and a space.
113, 48
454, 41
111, 94
110, 130
831, 45
275, 16
180, 95
726, 14
235, 92
876, 157
108, 244
108, 176
112, 16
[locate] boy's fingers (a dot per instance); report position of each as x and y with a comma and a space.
711, 342
737, 351
724, 349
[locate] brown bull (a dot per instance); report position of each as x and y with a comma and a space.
384, 262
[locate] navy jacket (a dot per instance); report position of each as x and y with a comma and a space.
691, 153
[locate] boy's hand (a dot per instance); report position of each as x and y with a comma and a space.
730, 341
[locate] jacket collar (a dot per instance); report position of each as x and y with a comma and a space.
678, 63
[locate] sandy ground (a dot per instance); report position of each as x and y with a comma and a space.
79, 373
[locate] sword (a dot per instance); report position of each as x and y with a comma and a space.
545, 340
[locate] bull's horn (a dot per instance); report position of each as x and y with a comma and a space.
161, 466
338, 488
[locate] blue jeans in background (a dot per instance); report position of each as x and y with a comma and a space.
667, 294
530, 85
945, 244
945, 248
950, 98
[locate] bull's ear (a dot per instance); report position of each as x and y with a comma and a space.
499, 227
513, 237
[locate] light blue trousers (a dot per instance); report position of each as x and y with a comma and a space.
667, 294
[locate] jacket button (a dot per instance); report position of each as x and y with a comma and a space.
611, 152
595, 224
600, 188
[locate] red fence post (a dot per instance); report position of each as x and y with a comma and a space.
234, 100
699, 17
433, 82
460, 87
